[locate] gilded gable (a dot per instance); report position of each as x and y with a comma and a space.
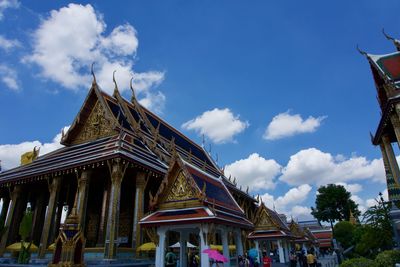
95, 127
264, 222
180, 190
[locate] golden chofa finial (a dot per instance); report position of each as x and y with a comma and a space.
94, 76
115, 83
387, 36
133, 98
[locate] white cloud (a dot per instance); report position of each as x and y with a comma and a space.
5, 4
9, 77
301, 213
8, 44
153, 101
255, 172
313, 166
352, 188
220, 125
10, 154
289, 202
64, 49
285, 125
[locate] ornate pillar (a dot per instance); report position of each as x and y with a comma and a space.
225, 246
4, 209
103, 215
14, 197
138, 211
391, 158
57, 221
54, 188
160, 247
117, 170
83, 184
391, 184
38, 217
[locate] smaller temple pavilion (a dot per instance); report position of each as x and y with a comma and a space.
193, 202
302, 236
271, 233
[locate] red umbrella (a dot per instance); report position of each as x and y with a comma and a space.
214, 254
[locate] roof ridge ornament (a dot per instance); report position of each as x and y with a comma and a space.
390, 38
115, 82
361, 51
94, 82
133, 98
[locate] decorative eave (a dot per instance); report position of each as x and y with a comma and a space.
385, 121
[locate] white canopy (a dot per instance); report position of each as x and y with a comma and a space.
178, 245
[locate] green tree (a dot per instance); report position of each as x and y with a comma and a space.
376, 235
344, 232
333, 203
25, 229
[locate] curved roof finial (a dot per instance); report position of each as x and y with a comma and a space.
133, 98
92, 71
115, 82
361, 51
387, 36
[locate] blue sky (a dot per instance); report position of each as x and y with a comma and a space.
278, 89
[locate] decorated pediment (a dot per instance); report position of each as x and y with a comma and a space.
263, 220
95, 127
180, 190
94, 120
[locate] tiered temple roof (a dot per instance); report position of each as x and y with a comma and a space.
191, 195
268, 225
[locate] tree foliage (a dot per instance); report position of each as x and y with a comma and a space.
344, 233
333, 203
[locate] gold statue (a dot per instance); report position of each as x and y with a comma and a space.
30, 156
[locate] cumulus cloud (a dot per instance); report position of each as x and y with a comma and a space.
285, 125
10, 154
313, 166
254, 171
5, 4
9, 77
289, 202
69, 64
7, 44
352, 188
220, 125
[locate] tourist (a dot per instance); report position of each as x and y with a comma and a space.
293, 259
194, 261
311, 260
170, 259
240, 261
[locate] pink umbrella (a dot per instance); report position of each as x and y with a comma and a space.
214, 254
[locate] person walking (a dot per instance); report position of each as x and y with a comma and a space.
170, 259
311, 260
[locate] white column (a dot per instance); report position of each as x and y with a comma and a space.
257, 248
286, 247
238, 242
204, 260
281, 253
182, 252
225, 246
304, 248
160, 248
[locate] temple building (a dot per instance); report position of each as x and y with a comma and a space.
386, 74
135, 179
125, 178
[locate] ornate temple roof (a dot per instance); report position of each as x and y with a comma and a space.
190, 195
268, 225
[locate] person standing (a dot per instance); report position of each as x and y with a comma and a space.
293, 258
311, 260
170, 259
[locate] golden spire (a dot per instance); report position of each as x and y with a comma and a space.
352, 219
